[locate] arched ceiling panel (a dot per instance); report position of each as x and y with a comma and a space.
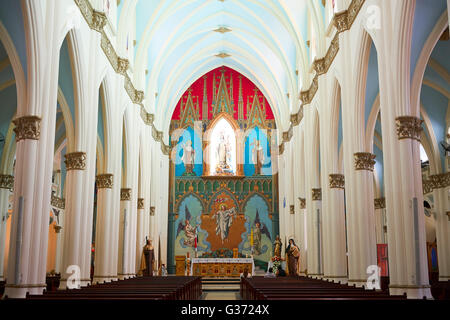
177, 41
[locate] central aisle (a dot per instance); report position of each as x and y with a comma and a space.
221, 289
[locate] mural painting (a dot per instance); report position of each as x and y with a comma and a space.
222, 188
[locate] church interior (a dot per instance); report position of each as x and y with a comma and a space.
224, 150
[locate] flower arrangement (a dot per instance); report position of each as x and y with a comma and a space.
276, 262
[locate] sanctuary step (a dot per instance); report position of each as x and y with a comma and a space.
220, 284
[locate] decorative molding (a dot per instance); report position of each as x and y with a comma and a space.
140, 203
438, 181
408, 127
295, 119
57, 228
57, 202
75, 161
316, 194
427, 186
342, 21
6, 181
287, 136
364, 161
302, 203
337, 181
27, 127
104, 181
322, 65
122, 65
308, 95
152, 211
292, 209
97, 21
281, 148
125, 194
380, 203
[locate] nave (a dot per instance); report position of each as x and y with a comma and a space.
201, 138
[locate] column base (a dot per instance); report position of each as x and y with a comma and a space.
337, 279
360, 283
123, 276
412, 292
444, 278
101, 279
85, 282
63, 285
315, 275
20, 291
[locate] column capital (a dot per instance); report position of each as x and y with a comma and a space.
75, 160
364, 161
125, 194
292, 209
27, 127
438, 181
57, 202
104, 180
302, 203
448, 215
337, 181
152, 211
408, 127
316, 194
380, 203
6, 181
140, 203
427, 186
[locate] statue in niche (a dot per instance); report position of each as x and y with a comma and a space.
188, 158
257, 156
224, 219
223, 155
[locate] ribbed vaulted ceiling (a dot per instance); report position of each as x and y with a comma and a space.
179, 41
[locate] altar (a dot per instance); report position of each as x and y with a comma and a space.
221, 267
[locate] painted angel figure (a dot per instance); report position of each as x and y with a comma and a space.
258, 230
224, 219
189, 230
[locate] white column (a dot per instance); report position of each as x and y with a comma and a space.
59, 243
124, 231
313, 203
361, 220
440, 196
380, 205
73, 224
103, 228
140, 232
337, 266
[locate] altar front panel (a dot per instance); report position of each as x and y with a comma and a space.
221, 267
